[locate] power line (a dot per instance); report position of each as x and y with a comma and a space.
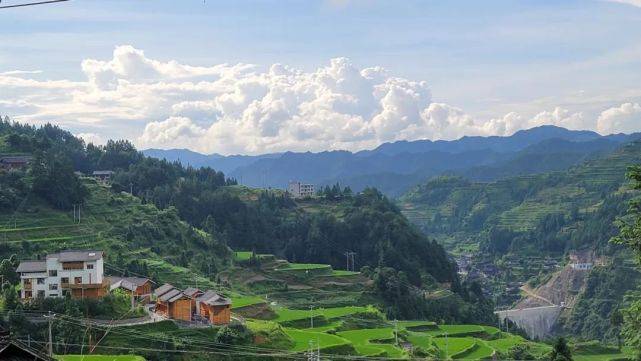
32, 4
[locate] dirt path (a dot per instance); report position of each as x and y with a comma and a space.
530, 293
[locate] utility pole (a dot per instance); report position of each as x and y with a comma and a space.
50, 345
311, 316
131, 189
74, 213
396, 331
350, 256
79, 208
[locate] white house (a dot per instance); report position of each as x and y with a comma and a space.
582, 260
77, 273
300, 190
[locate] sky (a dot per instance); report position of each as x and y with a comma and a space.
251, 77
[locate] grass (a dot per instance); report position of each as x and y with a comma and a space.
99, 358
242, 255
339, 273
238, 300
452, 346
323, 340
454, 330
304, 266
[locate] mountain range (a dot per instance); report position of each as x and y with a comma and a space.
395, 167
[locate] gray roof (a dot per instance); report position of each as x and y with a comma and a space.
102, 172
191, 291
16, 159
32, 266
138, 281
163, 289
128, 283
213, 299
171, 296
76, 256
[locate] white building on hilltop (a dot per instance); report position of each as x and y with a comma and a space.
77, 273
300, 190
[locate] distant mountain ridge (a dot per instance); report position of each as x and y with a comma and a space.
396, 167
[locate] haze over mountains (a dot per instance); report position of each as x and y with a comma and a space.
395, 167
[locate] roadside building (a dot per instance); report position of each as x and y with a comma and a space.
582, 260
78, 273
173, 303
103, 176
14, 162
300, 190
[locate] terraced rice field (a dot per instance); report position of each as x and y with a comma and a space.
374, 342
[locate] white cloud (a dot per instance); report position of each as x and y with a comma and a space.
243, 109
636, 3
625, 118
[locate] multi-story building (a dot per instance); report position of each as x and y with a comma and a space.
77, 273
300, 190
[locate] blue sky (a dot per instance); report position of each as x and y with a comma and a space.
486, 59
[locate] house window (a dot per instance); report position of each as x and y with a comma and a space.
53, 273
41, 281
41, 294
28, 294
64, 280
77, 280
27, 281
53, 286
89, 266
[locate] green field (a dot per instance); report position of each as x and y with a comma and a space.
287, 315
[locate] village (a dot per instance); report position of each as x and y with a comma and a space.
79, 274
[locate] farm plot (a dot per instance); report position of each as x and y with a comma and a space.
324, 341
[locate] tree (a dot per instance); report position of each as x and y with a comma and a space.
561, 351
630, 235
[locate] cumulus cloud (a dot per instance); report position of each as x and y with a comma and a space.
242, 108
625, 118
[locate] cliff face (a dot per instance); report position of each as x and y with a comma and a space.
539, 311
561, 290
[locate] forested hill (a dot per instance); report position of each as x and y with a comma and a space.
394, 168
244, 219
550, 212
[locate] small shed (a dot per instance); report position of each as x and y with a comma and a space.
214, 307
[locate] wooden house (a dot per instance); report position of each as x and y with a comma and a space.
215, 308
139, 286
173, 303
193, 294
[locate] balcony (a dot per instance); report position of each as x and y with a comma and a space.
28, 286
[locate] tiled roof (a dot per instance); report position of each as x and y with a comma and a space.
76, 256
213, 299
103, 172
191, 291
32, 266
163, 289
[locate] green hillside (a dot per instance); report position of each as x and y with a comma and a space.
562, 209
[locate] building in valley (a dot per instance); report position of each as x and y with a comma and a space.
103, 176
78, 273
173, 303
300, 190
214, 307
192, 304
14, 162
582, 260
